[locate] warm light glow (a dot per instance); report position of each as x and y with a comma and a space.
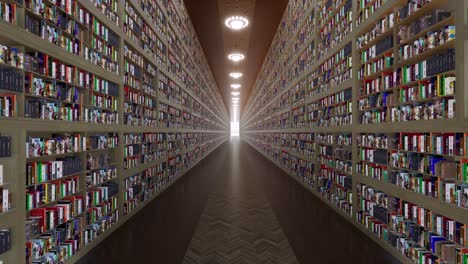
235, 93
237, 22
235, 127
236, 57
235, 75
235, 86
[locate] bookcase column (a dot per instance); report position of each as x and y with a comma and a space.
461, 59
14, 175
355, 109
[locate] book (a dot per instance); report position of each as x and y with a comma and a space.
5, 146
5, 240
6, 199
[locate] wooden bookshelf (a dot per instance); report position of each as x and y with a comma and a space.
100, 82
377, 115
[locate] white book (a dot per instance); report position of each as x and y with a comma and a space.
423, 217
449, 85
53, 192
51, 219
415, 213
451, 229
6, 202
424, 69
79, 204
54, 170
416, 72
7, 13
59, 169
439, 225
451, 108
84, 143
67, 211
60, 214
439, 145
449, 189
1, 174
76, 147
74, 187
450, 145
7, 108
423, 144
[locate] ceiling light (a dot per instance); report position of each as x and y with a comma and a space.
235, 93
235, 86
235, 75
236, 57
236, 22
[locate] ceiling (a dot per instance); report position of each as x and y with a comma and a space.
218, 41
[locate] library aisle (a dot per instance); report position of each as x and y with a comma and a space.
244, 210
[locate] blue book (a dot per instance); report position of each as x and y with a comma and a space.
433, 240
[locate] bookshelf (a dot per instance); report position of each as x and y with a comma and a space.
377, 123
90, 100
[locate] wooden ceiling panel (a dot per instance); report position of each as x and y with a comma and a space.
218, 41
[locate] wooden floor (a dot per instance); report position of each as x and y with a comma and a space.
237, 207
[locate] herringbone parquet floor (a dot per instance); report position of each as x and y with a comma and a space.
238, 224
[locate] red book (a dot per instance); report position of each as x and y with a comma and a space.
41, 214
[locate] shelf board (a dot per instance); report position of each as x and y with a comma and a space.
452, 211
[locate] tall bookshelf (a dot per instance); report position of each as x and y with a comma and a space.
372, 118
105, 104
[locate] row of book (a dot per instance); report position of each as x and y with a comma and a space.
43, 194
11, 79
406, 32
416, 232
8, 107
39, 172
59, 144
